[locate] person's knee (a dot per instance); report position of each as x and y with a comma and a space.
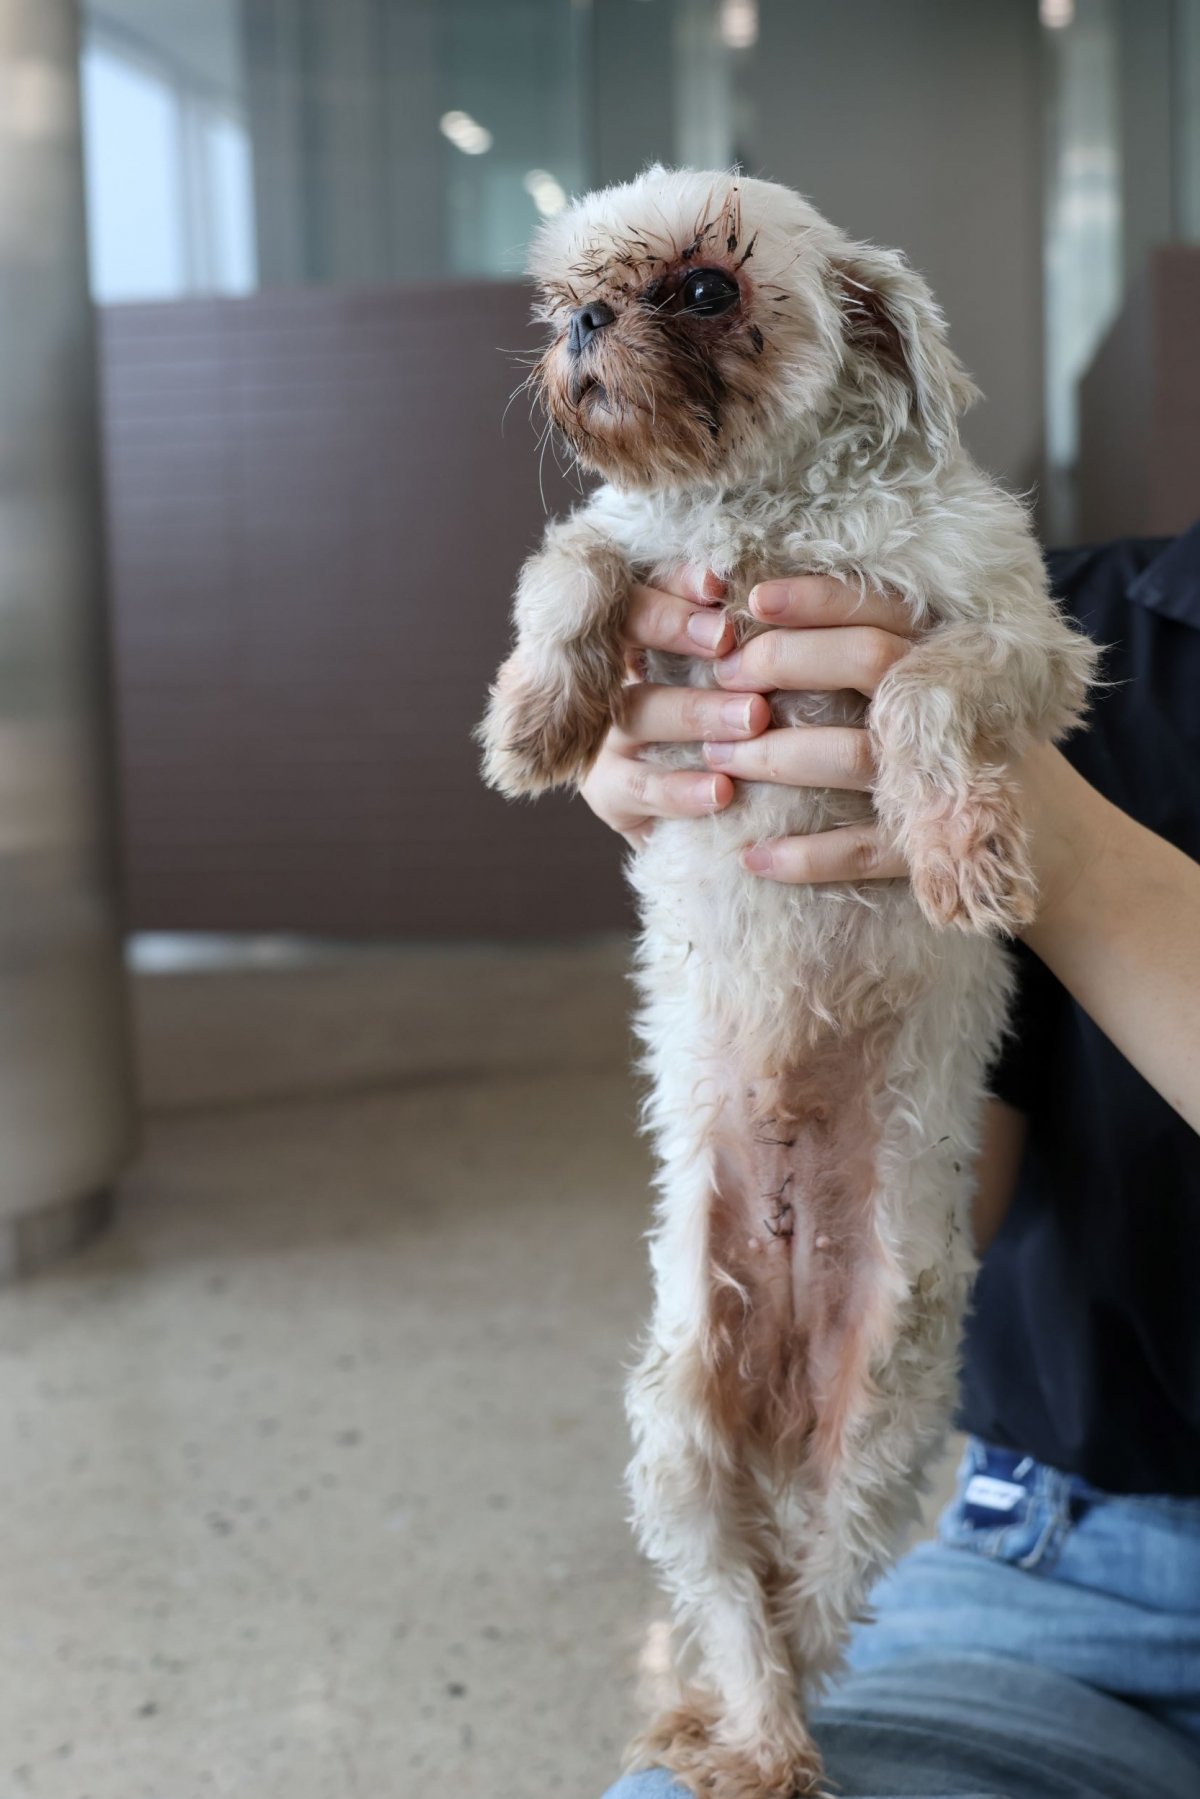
655, 1783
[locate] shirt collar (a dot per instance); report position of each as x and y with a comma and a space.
1171, 583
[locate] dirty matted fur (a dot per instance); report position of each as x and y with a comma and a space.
817, 1055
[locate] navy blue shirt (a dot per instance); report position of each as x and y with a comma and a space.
1083, 1348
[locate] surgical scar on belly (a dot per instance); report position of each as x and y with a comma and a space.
794, 1256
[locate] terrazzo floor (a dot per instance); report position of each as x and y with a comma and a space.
310, 1471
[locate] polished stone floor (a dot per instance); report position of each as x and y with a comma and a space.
310, 1471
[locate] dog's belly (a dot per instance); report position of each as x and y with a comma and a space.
774, 969
796, 1267
790, 999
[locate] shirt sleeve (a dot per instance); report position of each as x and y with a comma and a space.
1022, 1073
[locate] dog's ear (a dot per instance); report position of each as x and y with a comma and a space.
895, 333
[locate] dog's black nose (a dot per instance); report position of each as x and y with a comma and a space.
585, 321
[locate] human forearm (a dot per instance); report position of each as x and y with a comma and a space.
1119, 925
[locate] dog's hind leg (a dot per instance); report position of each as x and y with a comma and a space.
863, 1484
722, 1356
709, 1525
883, 1396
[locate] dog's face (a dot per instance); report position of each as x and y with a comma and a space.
706, 325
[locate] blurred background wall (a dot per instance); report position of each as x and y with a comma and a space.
307, 227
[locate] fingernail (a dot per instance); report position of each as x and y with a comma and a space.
737, 714
757, 859
712, 795
769, 600
712, 586
720, 754
706, 628
728, 667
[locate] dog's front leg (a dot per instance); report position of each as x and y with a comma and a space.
947, 722
557, 694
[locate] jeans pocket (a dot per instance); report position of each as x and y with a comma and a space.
1004, 1507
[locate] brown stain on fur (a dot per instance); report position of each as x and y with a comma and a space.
687, 1741
971, 861
545, 725
539, 733
659, 394
795, 1259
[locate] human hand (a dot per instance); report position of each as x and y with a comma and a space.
630, 794
823, 638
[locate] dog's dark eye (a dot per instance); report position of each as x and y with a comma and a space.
709, 291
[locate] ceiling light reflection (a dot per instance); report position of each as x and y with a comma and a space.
546, 193
465, 133
739, 23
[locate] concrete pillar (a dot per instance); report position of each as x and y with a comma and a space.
65, 1083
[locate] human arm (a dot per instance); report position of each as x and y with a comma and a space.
1002, 1145
1118, 925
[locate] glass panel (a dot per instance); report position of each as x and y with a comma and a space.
1122, 177
1187, 113
233, 144
169, 171
512, 122
229, 190
242, 143
1083, 206
134, 181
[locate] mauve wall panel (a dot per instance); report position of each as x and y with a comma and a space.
314, 526
1139, 408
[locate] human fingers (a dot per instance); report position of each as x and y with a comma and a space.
823, 600
652, 714
802, 661
692, 581
800, 756
850, 853
681, 616
628, 795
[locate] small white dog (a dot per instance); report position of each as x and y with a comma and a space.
763, 397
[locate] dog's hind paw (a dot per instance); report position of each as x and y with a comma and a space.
688, 1741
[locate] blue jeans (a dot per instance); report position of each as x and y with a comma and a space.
1047, 1646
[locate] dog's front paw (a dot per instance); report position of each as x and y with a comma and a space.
689, 1742
542, 730
970, 862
